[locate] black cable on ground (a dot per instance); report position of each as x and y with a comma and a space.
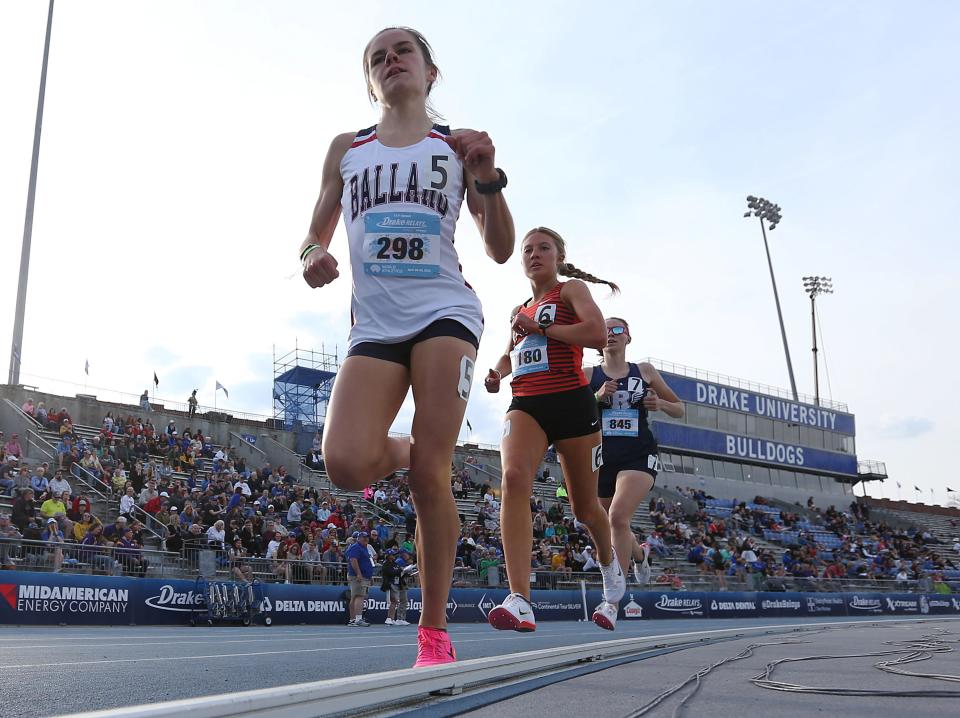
910, 651
922, 649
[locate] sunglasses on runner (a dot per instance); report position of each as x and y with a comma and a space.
616, 331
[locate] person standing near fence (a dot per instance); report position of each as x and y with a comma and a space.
359, 577
192, 404
395, 586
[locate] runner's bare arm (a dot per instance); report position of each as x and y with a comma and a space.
319, 267
489, 211
666, 400
591, 331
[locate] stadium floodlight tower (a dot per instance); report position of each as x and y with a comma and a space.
16, 345
766, 210
815, 286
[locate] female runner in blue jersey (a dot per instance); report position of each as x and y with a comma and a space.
416, 323
627, 394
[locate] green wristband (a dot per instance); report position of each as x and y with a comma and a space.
306, 251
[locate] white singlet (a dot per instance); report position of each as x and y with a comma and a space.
400, 208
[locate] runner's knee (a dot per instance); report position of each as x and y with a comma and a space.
516, 484
619, 518
350, 471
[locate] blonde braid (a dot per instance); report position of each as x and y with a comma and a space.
568, 270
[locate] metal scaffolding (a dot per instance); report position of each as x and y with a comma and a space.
302, 384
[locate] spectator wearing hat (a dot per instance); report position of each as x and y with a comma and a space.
359, 576
323, 513
589, 560
53, 536
78, 506
394, 584
155, 503
332, 556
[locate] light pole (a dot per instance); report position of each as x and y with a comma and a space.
16, 346
765, 210
815, 286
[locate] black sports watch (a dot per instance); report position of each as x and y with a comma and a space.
543, 324
492, 187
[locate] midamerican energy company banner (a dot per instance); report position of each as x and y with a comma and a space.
50, 599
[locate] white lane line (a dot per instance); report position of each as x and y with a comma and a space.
221, 640
262, 653
329, 632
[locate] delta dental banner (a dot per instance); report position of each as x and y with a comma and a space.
51, 599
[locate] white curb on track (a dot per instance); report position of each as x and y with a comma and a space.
354, 694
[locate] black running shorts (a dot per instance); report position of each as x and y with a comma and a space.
399, 352
607, 485
563, 414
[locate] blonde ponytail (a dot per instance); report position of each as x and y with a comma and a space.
568, 270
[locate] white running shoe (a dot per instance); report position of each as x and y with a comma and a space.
389, 622
614, 582
514, 614
401, 622
642, 571
605, 615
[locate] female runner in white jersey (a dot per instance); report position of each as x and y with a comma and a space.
415, 321
627, 394
552, 404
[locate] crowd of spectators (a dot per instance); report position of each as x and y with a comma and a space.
821, 548
203, 500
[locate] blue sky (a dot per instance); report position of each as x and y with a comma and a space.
182, 148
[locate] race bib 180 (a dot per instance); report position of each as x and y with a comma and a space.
530, 356
400, 244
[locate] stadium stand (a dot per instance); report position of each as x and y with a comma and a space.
128, 497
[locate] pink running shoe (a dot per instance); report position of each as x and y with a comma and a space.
433, 647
